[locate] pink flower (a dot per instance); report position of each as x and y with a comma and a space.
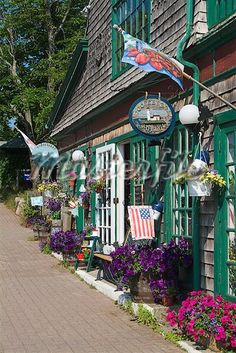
212, 315
233, 342
201, 332
225, 319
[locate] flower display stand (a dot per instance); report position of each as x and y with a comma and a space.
198, 188
66, 218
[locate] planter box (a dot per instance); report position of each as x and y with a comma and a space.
198, 188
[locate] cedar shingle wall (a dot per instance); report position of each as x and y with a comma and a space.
96, 86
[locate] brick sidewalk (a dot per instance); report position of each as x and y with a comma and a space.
46, 309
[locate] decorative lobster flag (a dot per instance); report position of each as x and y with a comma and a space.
140, 54
28, 142
141, 222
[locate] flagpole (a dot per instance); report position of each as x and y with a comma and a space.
209, 90
120, 30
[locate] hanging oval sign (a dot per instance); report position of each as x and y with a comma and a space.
152, 117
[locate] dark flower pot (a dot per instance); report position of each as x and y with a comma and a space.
140, 289
168, 300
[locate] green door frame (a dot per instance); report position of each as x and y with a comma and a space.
225, 123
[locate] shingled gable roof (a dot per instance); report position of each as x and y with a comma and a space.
72, 78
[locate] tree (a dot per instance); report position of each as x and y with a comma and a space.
37, 38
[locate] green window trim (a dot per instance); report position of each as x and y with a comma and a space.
219, 10
134, 17
178, 205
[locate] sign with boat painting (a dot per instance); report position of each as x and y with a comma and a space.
152, 117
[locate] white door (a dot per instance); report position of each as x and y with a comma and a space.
106, 201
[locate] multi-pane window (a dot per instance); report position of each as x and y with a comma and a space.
219, 10
181, 203
133, 16
231, 205
138, 158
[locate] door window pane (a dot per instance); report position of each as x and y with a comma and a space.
232, 246
231, 214
231, 179
230, 147
232, 280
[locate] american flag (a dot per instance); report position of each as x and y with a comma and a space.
141, 222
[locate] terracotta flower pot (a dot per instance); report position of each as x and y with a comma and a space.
168, 300
72, 182
99, 190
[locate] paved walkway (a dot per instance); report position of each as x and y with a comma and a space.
46, 309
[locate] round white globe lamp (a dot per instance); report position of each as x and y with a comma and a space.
78, 156
189, 114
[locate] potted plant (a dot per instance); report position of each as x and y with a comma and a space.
68, 243
84, 199
169, 296
97, 185
49, 189
203, 184
40, 225
72, 176
206, 320
86, 253
56, 219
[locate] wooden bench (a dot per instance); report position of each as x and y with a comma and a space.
103, 260
103, 257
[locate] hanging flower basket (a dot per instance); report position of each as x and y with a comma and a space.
199, 188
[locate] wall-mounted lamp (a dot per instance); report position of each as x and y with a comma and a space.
195, 118
78, 156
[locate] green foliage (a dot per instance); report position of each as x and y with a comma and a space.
37, 39
46, 249
30, 211
9, 164
9, 199
129, 307
145, 316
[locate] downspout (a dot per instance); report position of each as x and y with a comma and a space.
196, 95
181, 45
